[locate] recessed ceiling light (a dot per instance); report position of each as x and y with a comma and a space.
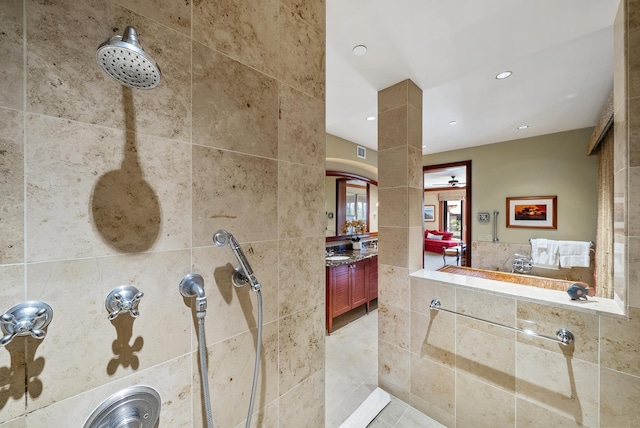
453, 122
370, 118
523, 126
360, 50
503, 75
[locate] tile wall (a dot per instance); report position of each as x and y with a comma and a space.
466, 373
104, 186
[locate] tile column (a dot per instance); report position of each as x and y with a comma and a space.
400, 228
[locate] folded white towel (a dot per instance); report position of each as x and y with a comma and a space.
544, 253
574, 253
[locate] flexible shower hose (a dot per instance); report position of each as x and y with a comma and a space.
256, 367
203, 366
203, 371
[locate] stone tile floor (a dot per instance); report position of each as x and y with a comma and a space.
352, 371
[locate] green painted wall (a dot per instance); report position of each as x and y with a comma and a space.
554, 164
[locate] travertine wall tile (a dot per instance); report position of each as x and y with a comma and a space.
12, 54
109, 349
433, 383
301, 406
393, 285
394, 325
300, 201
117, 194
548, 320
557, 382
432, 337
13, 358
423, 292
301, 55
393, 130
12, 185
235, 106
57, 86
301, 139
174, 391
244, 31
481, 405
414, 128
393, 97
486, 357
226, 195
231, 375
618, 343
311, 11
394, 369
498, 309
393, 168
95, 191
619, 394
529, 415
176, 15
301, 344
394, 251
232, 310
301, 275
390, 215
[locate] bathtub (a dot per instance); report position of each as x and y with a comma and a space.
513, 278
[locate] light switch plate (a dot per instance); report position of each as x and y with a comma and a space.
484, 217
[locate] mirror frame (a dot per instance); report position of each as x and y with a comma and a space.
352, 177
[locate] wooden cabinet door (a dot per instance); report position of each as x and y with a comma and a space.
373, 278
340, 293
359, 280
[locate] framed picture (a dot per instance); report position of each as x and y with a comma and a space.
538, 212
429, 213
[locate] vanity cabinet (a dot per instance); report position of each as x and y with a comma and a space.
349, 286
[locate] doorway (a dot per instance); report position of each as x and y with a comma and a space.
447, 187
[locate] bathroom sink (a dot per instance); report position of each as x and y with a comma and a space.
337, 258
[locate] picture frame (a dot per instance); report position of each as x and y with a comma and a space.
429, 213
537, 212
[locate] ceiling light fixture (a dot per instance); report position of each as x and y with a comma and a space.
503, 75
523, 126
453, 122
360, 50
370, 118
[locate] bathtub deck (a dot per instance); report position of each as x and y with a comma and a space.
514, 278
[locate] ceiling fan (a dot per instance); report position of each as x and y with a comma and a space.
452, 183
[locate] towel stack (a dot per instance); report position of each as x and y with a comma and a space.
548, 254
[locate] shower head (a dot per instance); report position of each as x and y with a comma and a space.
122, 58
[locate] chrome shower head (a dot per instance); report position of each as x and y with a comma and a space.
122, 58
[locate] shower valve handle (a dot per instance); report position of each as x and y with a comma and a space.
28, 318
123, 299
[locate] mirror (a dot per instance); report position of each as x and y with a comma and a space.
352, 198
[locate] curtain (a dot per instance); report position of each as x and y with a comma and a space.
452, 195
604, 236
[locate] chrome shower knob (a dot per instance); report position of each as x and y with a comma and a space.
123, 299
28, 318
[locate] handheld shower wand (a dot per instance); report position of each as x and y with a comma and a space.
243, 274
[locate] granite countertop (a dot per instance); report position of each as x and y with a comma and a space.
353, 256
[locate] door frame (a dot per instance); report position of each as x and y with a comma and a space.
466, 232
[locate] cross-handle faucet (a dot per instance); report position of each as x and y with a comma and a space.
23, 319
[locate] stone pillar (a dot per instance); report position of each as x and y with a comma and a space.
400, 228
